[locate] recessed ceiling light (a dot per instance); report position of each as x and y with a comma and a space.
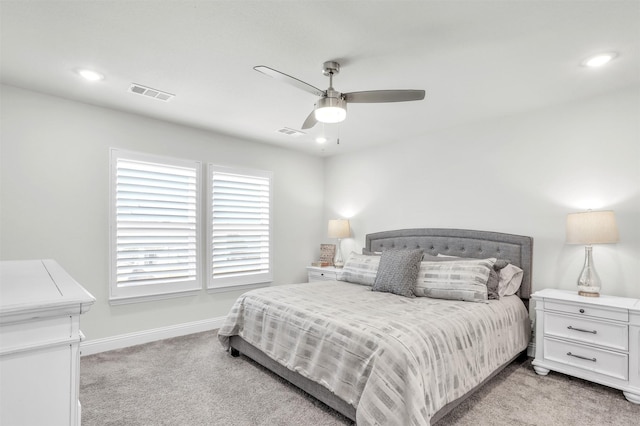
599, 60
90, 75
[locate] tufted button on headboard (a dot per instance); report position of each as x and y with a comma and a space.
517, 249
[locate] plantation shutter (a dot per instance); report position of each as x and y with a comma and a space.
240, 245
156, 221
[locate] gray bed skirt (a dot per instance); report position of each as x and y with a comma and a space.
324, 395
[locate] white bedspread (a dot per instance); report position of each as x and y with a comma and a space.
397, 360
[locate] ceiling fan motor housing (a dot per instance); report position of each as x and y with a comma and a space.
331, 109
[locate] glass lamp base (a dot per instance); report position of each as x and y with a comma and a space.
338, 262
589, 281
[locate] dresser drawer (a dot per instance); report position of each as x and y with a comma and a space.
322, 276
587, 310
30, 335
584, 329
586, 358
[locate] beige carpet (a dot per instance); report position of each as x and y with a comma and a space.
190, 380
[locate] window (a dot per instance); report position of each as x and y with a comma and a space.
155, 226
239, 221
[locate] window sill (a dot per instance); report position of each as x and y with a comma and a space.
237, 287
150, 298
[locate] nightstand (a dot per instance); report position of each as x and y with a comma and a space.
593, 338
327, 273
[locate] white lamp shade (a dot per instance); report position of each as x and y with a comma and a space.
339, 228
592, 228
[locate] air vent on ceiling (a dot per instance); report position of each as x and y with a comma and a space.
290, 132
152, 93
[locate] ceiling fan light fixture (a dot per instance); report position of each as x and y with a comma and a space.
330, 110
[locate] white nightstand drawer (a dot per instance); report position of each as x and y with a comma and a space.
321, 276
318, 276
600, 361
581, 329
588, 310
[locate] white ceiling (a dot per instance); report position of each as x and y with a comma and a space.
475, 59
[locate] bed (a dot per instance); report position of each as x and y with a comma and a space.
380, 358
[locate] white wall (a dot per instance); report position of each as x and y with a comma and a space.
55, 194
519, 174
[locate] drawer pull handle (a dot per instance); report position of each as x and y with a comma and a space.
582, 311
581, 357
584, 331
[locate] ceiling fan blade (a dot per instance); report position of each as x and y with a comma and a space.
289, 80
375, 96
310, 121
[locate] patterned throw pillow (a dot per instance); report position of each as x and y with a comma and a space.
360, 269
398, 272
464, 279
494, 276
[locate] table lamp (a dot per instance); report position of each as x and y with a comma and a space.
588, 228
339, 228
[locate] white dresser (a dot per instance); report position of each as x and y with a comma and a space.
40, 308
594, 338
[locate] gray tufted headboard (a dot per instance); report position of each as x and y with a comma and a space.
464, 243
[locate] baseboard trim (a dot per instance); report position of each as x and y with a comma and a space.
95, 346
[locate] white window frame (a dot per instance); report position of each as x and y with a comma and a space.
135, 293
245, 281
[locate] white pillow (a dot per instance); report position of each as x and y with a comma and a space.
510, 280
360, 269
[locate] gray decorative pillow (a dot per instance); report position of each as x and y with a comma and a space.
398, 272
360, 269
493, 284
500, 264
458, 279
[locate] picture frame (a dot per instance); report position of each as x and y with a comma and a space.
327, 253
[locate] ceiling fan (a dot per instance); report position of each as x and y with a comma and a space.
332, 105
